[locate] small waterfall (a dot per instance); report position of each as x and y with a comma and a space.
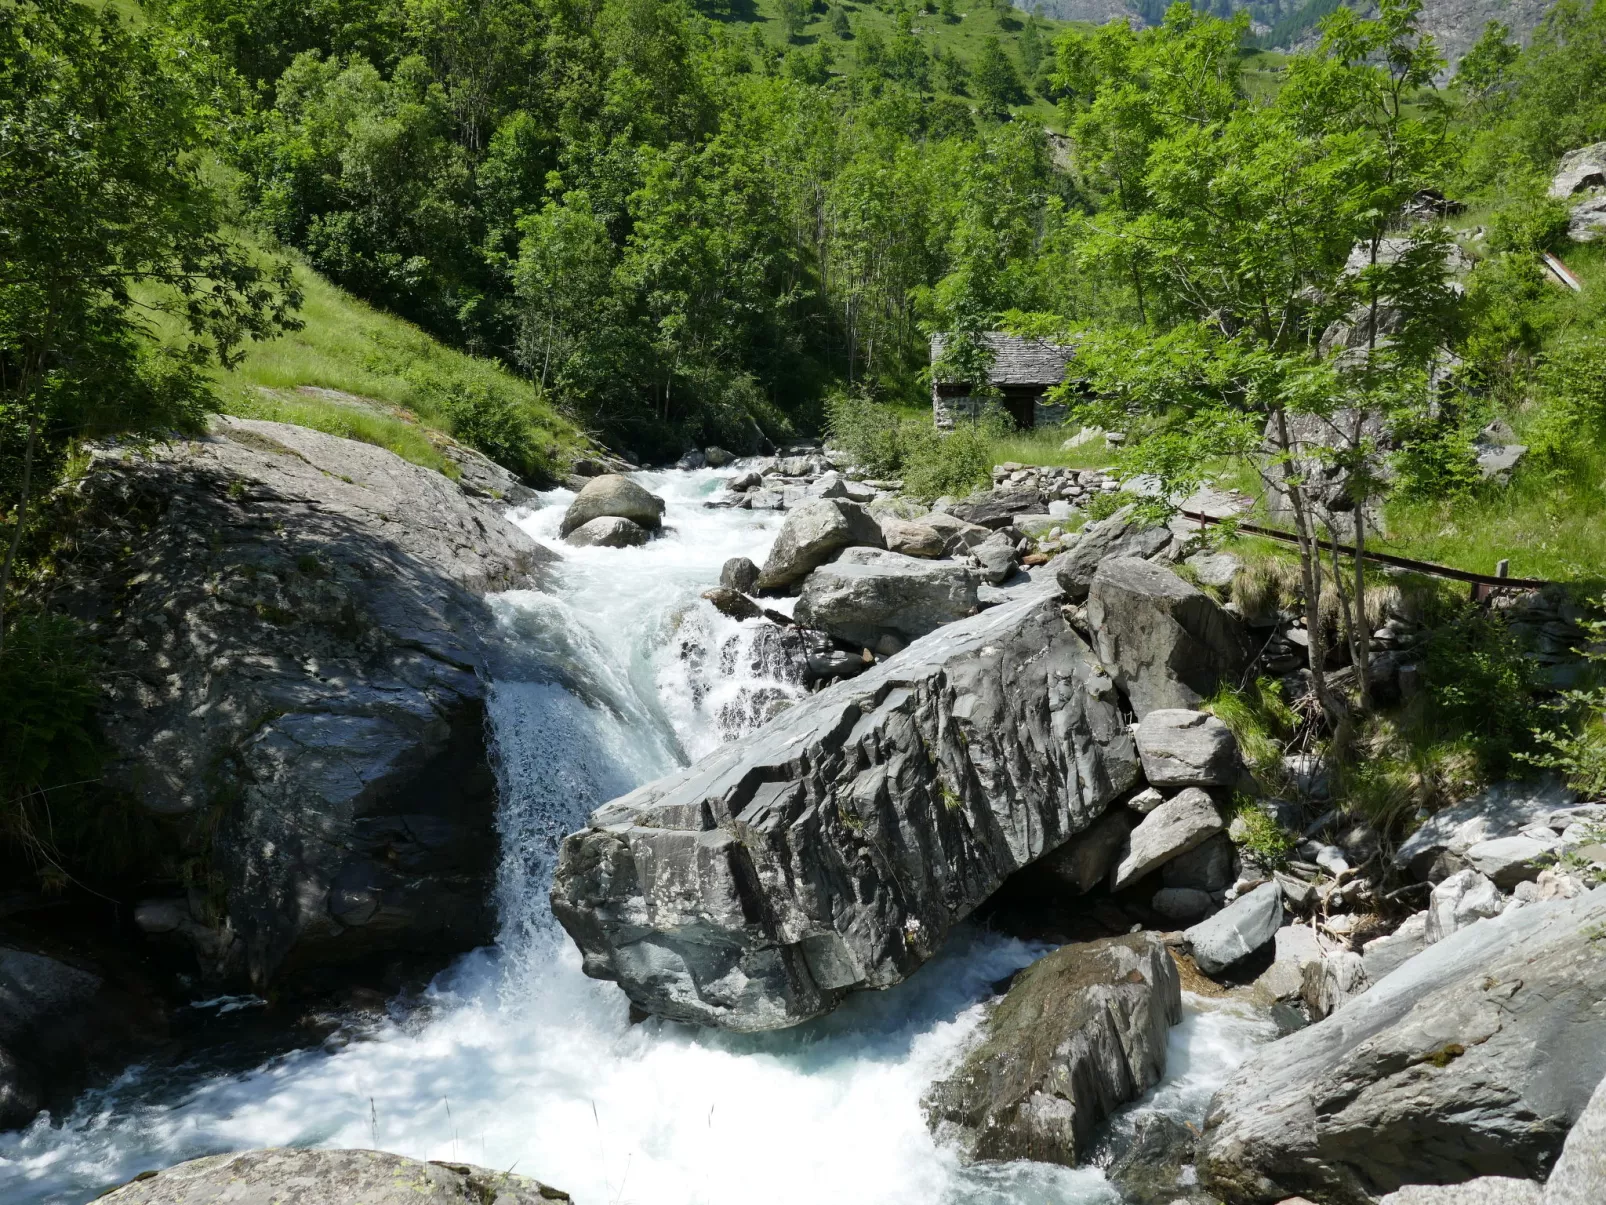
516, 1060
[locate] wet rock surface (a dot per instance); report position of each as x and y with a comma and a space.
1079, 1033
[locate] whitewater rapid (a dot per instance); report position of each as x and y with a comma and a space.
516, 1061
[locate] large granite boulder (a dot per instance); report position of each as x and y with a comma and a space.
613, 496
835, 848
1472, 1059
1123, 534
1079, 1033
814, 533
1168, 644
1082, 863
279, 1175
296, 646
868, 592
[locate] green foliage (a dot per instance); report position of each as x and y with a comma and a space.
1261, 720
1574, 742
1479, 684
930, 462
1259, 834
997, 84
1573, 383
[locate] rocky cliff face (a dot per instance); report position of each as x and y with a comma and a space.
837, 847
296, 643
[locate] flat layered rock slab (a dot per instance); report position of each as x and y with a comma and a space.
836, 848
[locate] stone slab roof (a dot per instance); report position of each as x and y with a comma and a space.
1020, 361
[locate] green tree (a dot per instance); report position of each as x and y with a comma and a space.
952, 75
840, 25
795, 17
101, 193
996, 83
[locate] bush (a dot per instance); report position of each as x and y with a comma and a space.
1573, 387
930, 462
1480, 684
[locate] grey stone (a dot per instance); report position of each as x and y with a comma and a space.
1384, 955
342, 1177
812, 534
1331, 980
1208, 867
836, 847
997, 557
995, 508
1587, 221
1472, 1059
1079, 1033
1460, 900
693, 459
1187, 749
1579, 1176
1037, 527
607, 533
740, 574
1217, 569
1578, 170
733, 603
1145, 801
957, 535
1439, 845
292, 625
868, 592
1495, 461
613, 496
716, 457
1173, 828
1121, 535
1510, 860
1083, 861
1485, 1190
1181, 903
1238, 930
1168, 644
911, 538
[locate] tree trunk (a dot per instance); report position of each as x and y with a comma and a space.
1310, 570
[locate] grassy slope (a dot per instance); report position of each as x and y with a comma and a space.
363, 374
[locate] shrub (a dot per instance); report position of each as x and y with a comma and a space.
1262, 721
1254, 830
1480, 684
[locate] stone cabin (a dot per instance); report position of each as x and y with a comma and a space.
1023, 371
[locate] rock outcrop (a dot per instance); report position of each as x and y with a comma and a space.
1472, 1059
1167, 644
835, 848
1079, 1033
296, 637
1440, 846
280, 1174
613, 496
1170, 830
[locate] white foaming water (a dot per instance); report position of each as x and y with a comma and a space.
521, 1062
